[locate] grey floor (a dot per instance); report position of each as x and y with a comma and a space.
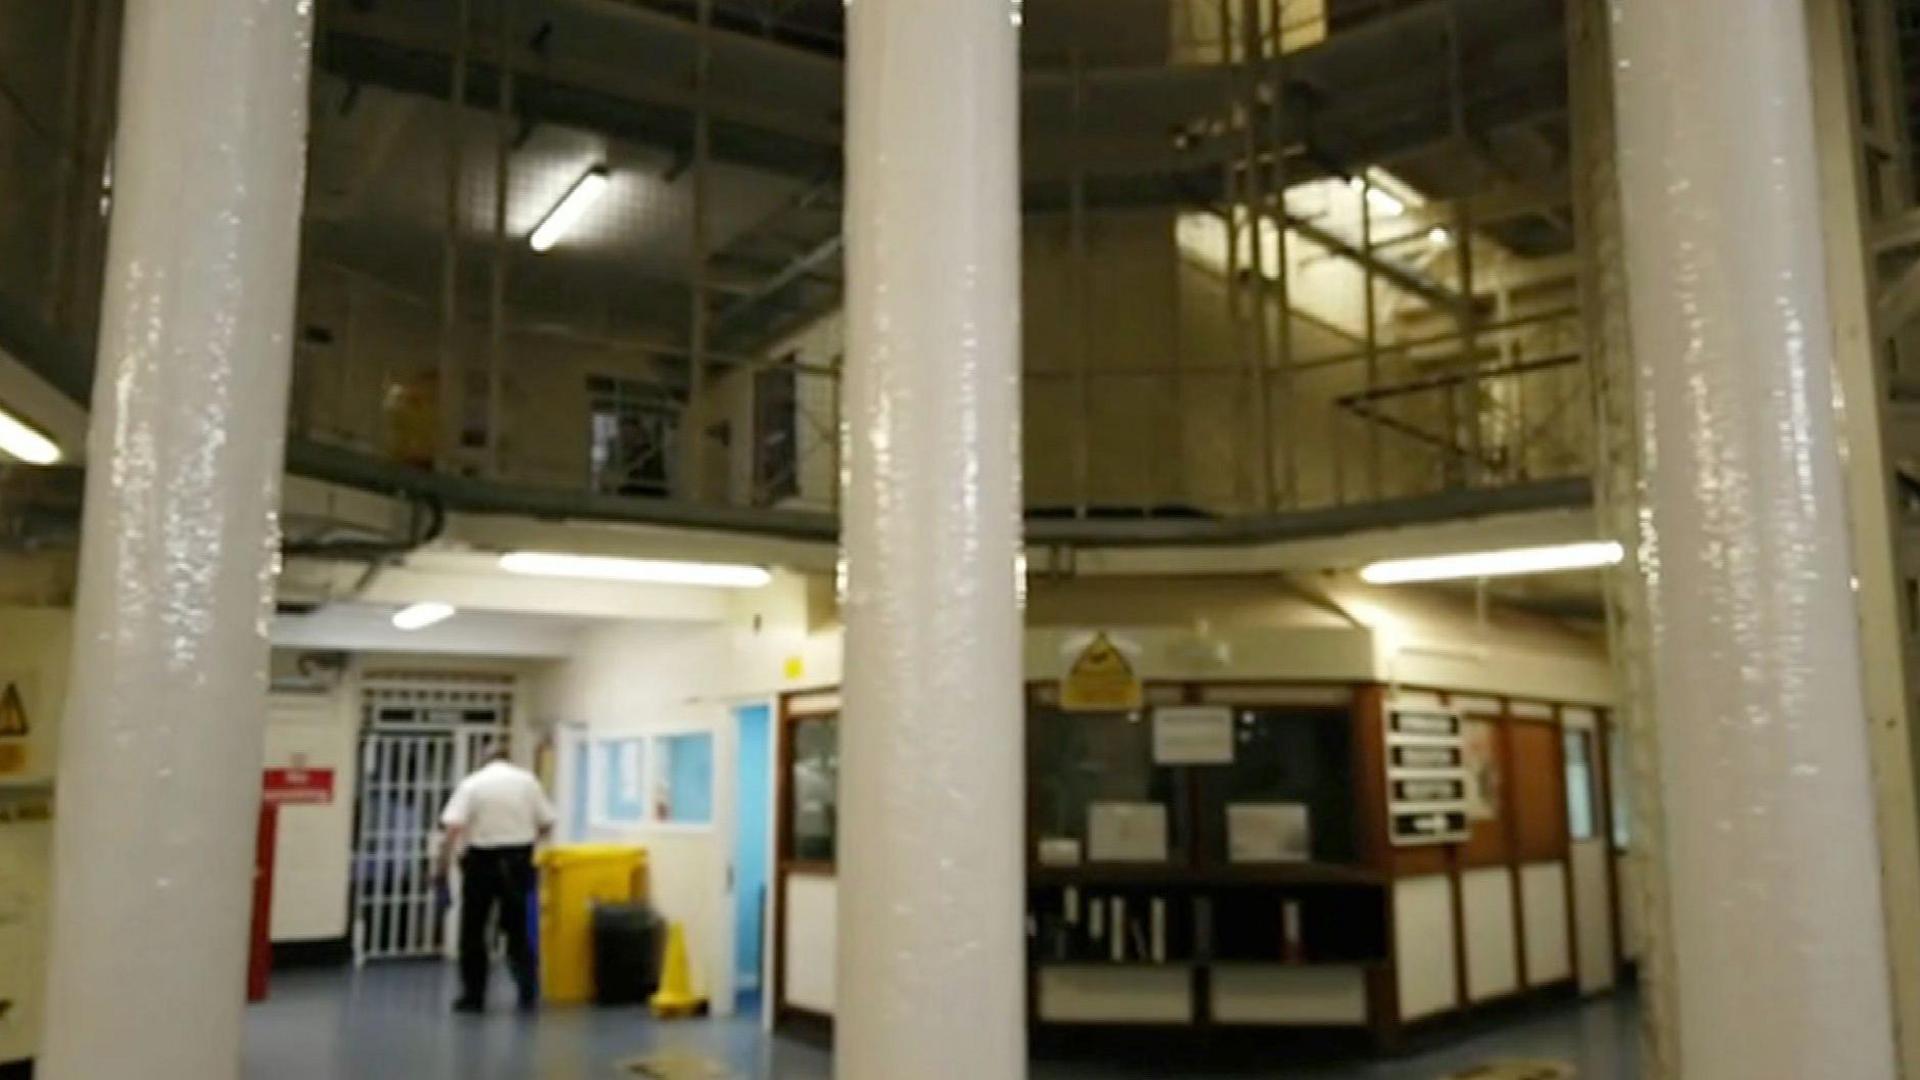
392, 1021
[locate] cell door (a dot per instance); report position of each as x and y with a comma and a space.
419, 740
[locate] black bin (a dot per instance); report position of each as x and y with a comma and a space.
626, 954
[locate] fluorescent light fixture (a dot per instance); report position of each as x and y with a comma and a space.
1487, 564
18, 439
1384, 202
644, 571
565, 214
422, 615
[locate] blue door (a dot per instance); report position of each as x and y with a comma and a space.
752, 849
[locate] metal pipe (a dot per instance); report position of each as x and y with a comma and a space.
1370, 354
1254, 192
1231, 191
1077, 282
502, 175
162, 739
452, 390
694, 436
1283, 271
932, 972
1176, 425
1469, 317
1769, 823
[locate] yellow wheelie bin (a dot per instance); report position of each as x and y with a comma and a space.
573, 879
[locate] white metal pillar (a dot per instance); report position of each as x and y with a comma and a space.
931, 971
159, 783
1777, 934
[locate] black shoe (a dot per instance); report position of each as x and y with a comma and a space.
529, 1004
469, 1005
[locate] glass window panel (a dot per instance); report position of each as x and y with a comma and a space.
683, 779
1287, 754
622, 774
814, 788
1621, 772
1580, 784
1080, 759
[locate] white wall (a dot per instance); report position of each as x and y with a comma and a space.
317, 728
1435, 638
635, 678
34, 646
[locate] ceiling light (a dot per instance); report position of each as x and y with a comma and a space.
645, 571
1438, 236
422, 615
1486, 564
565, 214
18, 439
1383, 202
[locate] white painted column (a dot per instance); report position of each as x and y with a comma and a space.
931, 939
1778, 940
159, 782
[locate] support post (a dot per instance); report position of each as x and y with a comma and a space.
932, 942
1078, 270
1254, 192
693, 436
497, 282
1860, 364
1369, 309
452, 393
1776, 930
160, 759
1281, 134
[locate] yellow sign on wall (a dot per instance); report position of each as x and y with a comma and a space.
1101, 678
15, 727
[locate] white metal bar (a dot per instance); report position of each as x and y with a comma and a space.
1769, 808
377, 846
422, 752
931, 969
1874, 503
162, 740
451, 392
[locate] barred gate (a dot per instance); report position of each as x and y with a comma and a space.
421, 735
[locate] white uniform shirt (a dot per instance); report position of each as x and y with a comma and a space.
499, 806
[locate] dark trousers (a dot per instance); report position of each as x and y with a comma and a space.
495, 879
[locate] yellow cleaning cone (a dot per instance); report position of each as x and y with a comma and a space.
676, 996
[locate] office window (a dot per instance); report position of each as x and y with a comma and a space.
814, 787
776, 434
642, 780
619, 773
1621, 772
683, 779
1581, 787
632, 430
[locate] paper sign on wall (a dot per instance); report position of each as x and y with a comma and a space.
1101, 678
1427, 778
1193, 735
1127, 832
297, 787
1268, 832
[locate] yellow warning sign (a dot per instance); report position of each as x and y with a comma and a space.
14, 728
13, 713
1101, 679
